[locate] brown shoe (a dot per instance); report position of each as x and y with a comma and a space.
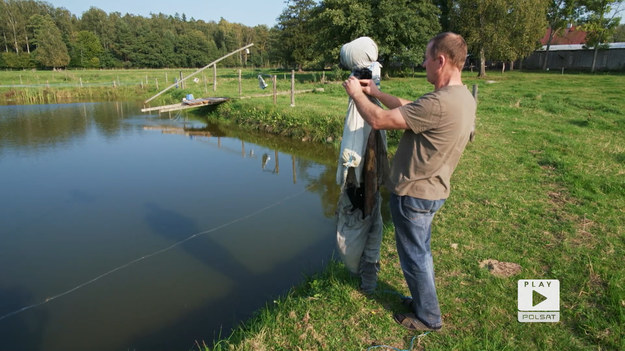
410, 322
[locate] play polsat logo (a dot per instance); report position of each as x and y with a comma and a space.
539, 300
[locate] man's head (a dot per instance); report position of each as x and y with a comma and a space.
445, 54
451, 45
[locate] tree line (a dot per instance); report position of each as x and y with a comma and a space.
308, 33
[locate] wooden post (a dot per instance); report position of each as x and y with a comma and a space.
156, 82
323, 77
475, 92
205, 83
292, 88
80, 81
239, 83
274, 79
214, 77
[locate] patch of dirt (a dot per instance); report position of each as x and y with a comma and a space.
501, 269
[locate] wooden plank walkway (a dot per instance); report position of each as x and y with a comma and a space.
187, 104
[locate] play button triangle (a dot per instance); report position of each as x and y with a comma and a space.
537, 298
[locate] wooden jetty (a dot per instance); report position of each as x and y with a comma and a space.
187, 104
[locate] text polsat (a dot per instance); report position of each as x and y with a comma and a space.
554, 317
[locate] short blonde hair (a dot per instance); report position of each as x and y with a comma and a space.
451, 45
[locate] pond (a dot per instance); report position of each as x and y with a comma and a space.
128, 231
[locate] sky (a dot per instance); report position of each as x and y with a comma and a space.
247, 12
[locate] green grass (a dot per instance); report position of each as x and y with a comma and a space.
543, 186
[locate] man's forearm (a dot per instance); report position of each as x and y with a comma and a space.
367, 109
377, 117
389, 100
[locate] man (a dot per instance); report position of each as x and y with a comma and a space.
437, 128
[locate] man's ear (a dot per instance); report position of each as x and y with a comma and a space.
441, 59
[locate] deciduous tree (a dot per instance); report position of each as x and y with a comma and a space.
51, 50
599, 24
401, 28
295, 39
560, 14
86, 50
500, 30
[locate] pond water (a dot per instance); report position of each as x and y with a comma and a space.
127, 231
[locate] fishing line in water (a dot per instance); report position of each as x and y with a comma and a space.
178, 243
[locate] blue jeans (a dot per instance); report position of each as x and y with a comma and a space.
413, 227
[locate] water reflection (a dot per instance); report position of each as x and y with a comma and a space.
193, 225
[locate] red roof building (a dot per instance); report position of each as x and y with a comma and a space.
566, 36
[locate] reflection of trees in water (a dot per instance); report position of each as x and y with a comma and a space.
33, 126
306, 156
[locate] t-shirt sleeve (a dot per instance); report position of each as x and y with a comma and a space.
422, 114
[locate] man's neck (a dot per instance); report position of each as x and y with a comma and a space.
452, 78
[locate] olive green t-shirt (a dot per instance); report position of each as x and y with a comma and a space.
440, 123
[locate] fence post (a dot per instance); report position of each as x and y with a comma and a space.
214, 77
292, 88
156, 82
274, 80
239, 83
475, 92
181, 81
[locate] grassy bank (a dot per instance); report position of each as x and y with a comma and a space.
542, 186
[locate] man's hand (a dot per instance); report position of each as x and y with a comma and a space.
369, 87
353, 87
